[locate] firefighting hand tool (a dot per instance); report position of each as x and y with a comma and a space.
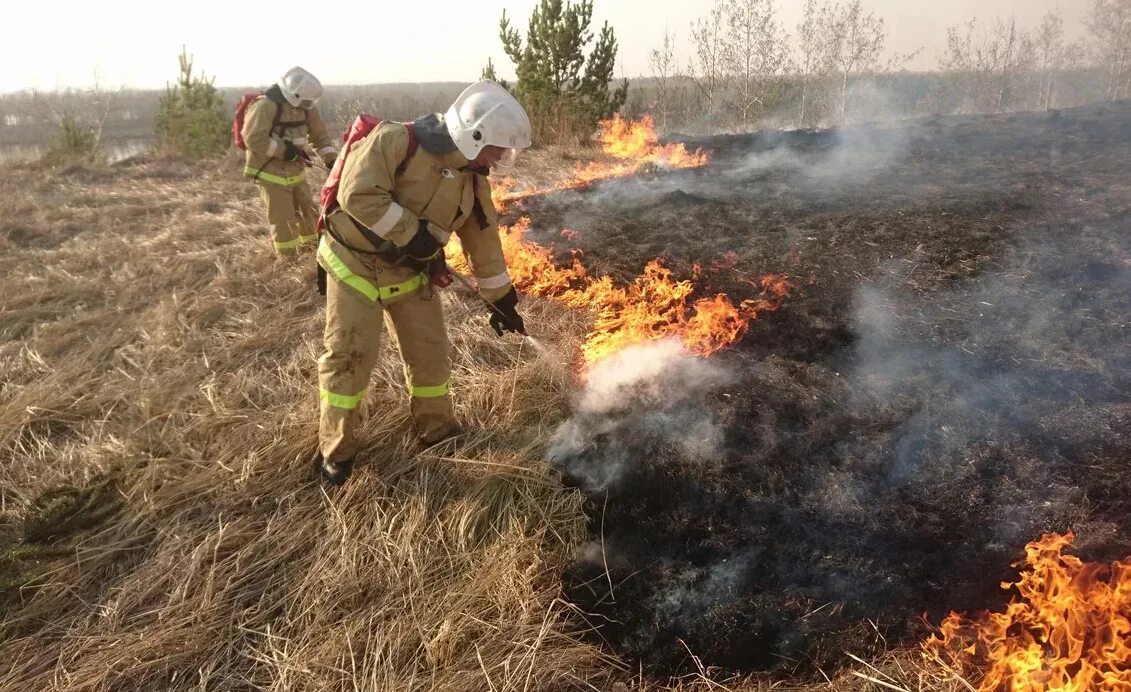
497, 312
312, 160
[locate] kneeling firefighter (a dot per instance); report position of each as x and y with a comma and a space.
401, 191
276, 129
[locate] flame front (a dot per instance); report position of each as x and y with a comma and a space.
635, 146
655, 305
1069, 630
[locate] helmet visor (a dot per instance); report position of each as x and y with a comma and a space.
508, 159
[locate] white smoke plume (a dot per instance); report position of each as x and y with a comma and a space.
853, 154
638, 404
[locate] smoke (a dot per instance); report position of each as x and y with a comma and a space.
646, 401
855, 154
842, 161
1016, 359
693, 590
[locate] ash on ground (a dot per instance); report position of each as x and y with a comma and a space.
950, 378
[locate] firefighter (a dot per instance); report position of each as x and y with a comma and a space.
278, 129
403, 190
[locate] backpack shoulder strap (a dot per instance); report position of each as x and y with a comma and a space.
278, 115
412, 146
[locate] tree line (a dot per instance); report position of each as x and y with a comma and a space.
747, 70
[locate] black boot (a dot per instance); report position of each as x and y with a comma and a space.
333, 472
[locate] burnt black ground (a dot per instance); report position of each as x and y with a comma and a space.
950, 378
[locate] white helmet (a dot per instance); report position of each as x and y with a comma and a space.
486, 114
300, 88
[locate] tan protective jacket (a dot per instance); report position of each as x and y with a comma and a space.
438, 188
265, 147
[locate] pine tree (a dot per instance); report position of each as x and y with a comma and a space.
192, 119
563, 91
489, 73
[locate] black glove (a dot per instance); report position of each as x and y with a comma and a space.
505, 318
290, 151
438, 272
422, 248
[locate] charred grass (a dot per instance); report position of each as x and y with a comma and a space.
157, 407
949, 379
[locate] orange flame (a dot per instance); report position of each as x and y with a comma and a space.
1069, 631
655, 305
636, 147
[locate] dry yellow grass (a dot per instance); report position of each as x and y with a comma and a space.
158, 528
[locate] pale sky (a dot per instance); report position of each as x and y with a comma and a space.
53, 45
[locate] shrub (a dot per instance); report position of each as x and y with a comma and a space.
72, 141
192, 119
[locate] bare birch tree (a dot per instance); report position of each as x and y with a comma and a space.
814, 61
1109, 22
755, 55
661, 60
986, 67
1053, 56
856, 40
706, 66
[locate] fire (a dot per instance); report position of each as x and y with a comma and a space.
1070, 630
655, 305
503, 191
635, 146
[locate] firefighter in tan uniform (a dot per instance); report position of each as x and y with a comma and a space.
397, 210
277, 129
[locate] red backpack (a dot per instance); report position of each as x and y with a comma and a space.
241, 111
237, 121
362, 126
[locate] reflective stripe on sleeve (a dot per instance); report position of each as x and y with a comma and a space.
346, 401
328, 149
496, 281
390, 219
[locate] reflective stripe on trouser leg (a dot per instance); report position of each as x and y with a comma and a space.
418, 322
352, 338
306, 213
281, 217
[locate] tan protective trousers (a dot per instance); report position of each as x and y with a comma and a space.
352, 339
291, 214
